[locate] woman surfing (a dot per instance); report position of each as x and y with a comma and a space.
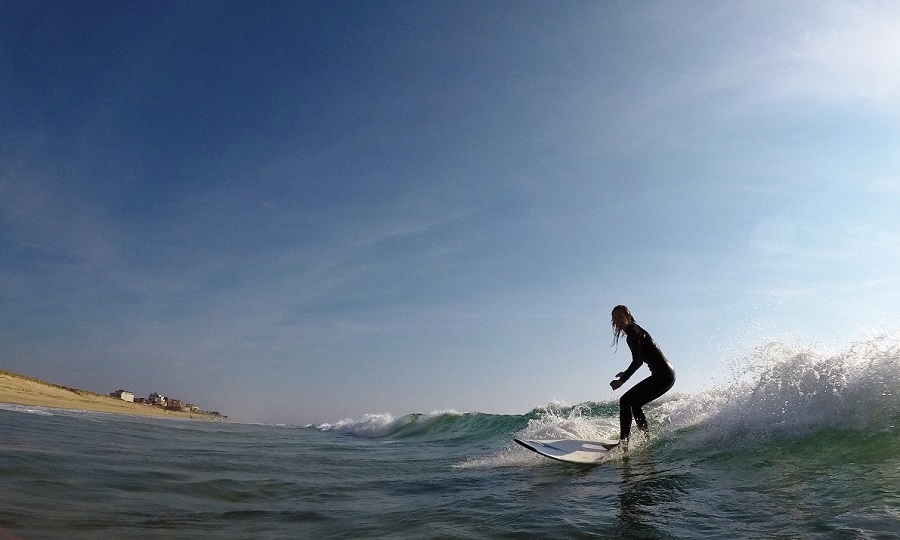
643, 351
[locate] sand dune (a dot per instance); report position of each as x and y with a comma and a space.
22, 390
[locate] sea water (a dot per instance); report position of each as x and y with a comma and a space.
797, 444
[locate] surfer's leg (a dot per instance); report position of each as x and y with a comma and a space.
640, 419
641, 394
636, 401
624, 417
630, 407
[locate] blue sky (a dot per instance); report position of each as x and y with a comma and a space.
305, 211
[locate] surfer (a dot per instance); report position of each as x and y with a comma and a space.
643, 350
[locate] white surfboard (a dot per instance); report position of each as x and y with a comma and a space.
569, 450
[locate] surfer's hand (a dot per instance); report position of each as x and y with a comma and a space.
619, 374
615, 384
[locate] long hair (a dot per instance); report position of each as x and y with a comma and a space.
617, 332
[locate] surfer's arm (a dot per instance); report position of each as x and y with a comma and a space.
625, 375
634, 344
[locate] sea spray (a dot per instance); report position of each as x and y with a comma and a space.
370, 425
794, 390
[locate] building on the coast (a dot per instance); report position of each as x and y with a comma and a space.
174, 404
124, 395
177, 405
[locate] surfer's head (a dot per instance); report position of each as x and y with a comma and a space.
621, 319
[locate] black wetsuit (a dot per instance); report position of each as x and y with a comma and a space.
661, 379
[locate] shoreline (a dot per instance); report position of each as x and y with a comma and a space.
18, 389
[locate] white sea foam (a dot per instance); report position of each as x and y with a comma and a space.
384, 424
789, 390
370, 425
27, 409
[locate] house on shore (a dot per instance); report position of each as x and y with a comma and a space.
174, 404
124, 395
159, 400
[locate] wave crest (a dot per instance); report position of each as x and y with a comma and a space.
777, 391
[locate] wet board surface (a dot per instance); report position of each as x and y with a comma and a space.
569, 450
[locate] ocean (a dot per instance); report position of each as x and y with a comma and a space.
793, 444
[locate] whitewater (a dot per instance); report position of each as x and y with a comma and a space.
794, 443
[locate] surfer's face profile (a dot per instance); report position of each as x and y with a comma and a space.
621, 319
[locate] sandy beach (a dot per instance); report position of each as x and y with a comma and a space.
22, 390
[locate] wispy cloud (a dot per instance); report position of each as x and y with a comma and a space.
815, 53
852, 54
